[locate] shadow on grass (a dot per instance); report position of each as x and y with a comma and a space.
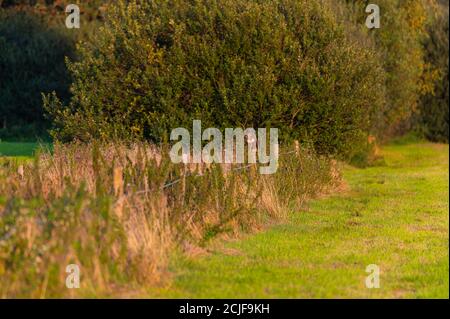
21, 149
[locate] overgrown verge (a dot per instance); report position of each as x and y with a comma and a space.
118, 210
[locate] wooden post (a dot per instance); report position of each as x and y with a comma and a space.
297, 147
118, 181
20, 171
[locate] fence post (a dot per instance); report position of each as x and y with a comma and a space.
118, 181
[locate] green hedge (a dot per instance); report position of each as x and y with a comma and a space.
158, 65
398, 45
433, 118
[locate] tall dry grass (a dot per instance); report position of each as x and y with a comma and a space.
113, 210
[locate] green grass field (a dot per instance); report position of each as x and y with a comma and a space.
395, 216
11, 149
20, 150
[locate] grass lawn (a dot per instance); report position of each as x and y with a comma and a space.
19, 150
395, 216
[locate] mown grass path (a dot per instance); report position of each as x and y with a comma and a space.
395, 216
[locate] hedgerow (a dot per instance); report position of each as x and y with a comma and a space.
158, 65
432, 120
398, 45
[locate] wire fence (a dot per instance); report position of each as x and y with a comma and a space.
178, 180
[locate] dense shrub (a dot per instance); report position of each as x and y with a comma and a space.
398, 43
158, 65
432, 121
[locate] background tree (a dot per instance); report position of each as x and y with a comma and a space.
31, 61
433, 117
398, 43
33, 45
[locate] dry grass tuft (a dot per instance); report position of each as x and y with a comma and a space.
105, 207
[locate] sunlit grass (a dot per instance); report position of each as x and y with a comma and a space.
395, 216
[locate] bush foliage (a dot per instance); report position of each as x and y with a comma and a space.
158, 65
433, 117
398, 44
307, 67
